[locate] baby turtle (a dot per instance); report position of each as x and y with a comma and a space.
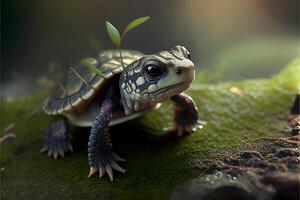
121, 94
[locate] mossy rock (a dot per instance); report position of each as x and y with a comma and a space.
156, 162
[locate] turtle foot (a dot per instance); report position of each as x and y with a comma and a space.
57, 142
180, 129
108, 168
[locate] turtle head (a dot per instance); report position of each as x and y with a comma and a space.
156, 78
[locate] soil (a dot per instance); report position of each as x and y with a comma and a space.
263, 169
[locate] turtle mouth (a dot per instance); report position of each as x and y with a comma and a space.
167, 92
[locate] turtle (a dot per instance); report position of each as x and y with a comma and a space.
129, 87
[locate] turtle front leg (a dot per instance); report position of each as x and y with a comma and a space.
185, 115
100, 154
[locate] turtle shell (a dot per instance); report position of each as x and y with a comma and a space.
74, 91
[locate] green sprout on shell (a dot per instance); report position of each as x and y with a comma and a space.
117, 39
115, 36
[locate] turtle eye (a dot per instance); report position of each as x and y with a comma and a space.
153, 71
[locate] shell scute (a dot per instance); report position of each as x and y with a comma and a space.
72, 92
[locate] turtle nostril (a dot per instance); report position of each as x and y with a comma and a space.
178, 71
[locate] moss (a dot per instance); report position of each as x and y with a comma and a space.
156, 162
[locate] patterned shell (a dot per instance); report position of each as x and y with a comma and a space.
72, 91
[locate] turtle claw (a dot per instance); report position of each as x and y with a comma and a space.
181, 129
49, 153
118, 158
93, 170
201, 123
117, 167
109, 172
102, 171
43, 149
70, 147
108, 168
178, 130
56, 154
57, 140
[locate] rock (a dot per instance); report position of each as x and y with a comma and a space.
286, 185
221, 186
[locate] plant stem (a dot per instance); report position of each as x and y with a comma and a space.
120, 52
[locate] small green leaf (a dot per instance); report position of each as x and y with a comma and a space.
135, 23
113, 34
78, 75
62, 87
88, 63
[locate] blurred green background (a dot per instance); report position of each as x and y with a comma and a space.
228, 40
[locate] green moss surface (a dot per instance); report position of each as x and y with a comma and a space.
156, 161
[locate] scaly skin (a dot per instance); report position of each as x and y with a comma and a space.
100, 153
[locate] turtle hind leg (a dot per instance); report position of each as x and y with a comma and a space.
57, 140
